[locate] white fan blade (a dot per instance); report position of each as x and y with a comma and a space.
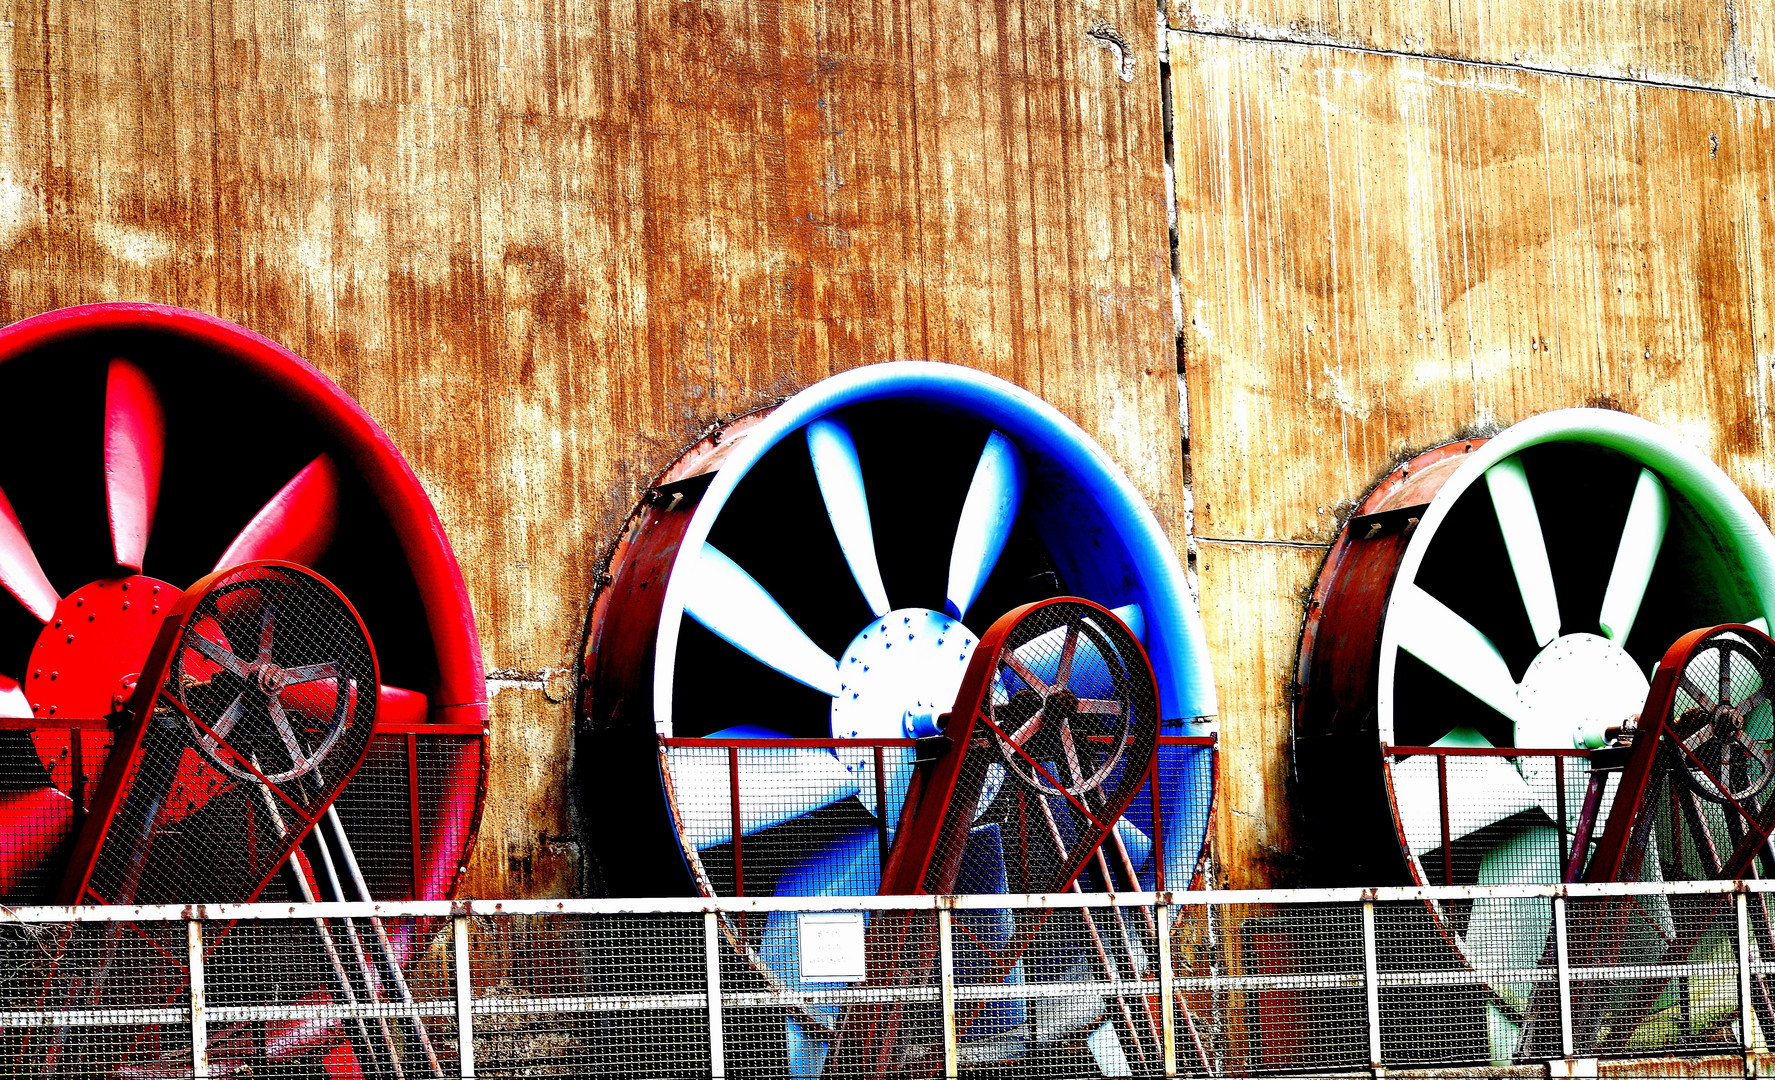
840, 476
1507, 934
736, 608
986, 519
1106, 1050
1433, 633
13, 705
1641, 538
1514, 504
775, 786
1133, 618
1482, 791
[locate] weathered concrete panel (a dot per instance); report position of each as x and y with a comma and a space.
1729, 46
1378, 252
547, 245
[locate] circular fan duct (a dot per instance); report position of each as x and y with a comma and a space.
147, 446
1511, 593
800, 594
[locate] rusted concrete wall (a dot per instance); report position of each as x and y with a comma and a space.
1378, 251
548, 245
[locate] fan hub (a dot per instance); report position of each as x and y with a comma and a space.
89, 652
269, 678
904, 665
1576, 687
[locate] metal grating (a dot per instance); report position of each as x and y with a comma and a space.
1256, 983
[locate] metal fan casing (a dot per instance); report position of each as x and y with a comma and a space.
1104, 540
1344, 715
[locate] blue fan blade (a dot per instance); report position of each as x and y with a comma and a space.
986, 518
840, 475
736, 608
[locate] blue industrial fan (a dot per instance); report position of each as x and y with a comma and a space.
798, 599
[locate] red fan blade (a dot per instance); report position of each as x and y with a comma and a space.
316, 700
397, 706
12, 700
33, 823
20, 574
297, 524
135, 449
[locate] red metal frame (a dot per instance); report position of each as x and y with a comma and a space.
460, 693
1443, 753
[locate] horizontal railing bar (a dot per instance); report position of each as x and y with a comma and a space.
16, 1020
1485, 751
694, 905
697, 1001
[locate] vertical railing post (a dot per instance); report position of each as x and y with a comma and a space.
1448, 864
200, 1048
881, 810
1158, 801
465, 1024
712, 969
733, 794
1167, 1009
946, 992
1562, 959
1746, 1012
1371, 980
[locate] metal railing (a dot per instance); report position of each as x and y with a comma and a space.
735, 787
1233, 983
1567, 775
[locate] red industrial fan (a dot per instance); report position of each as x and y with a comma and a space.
184, 444
1053, 733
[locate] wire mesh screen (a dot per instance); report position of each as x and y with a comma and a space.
590, 995
49, 772
1479, 986
266, 708
1494, 818
1257, 984
1082, 999
308, 997
793, 837
1655, 974
95, 999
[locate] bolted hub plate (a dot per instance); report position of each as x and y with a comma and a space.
85, 662
907, 661
1577, 686
900, 670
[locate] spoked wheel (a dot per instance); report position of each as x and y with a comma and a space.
162, 444
1509, 593
813, 581
1692, 804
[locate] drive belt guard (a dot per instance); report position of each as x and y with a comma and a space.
252, 713
1053, 733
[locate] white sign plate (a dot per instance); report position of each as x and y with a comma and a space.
832, 947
